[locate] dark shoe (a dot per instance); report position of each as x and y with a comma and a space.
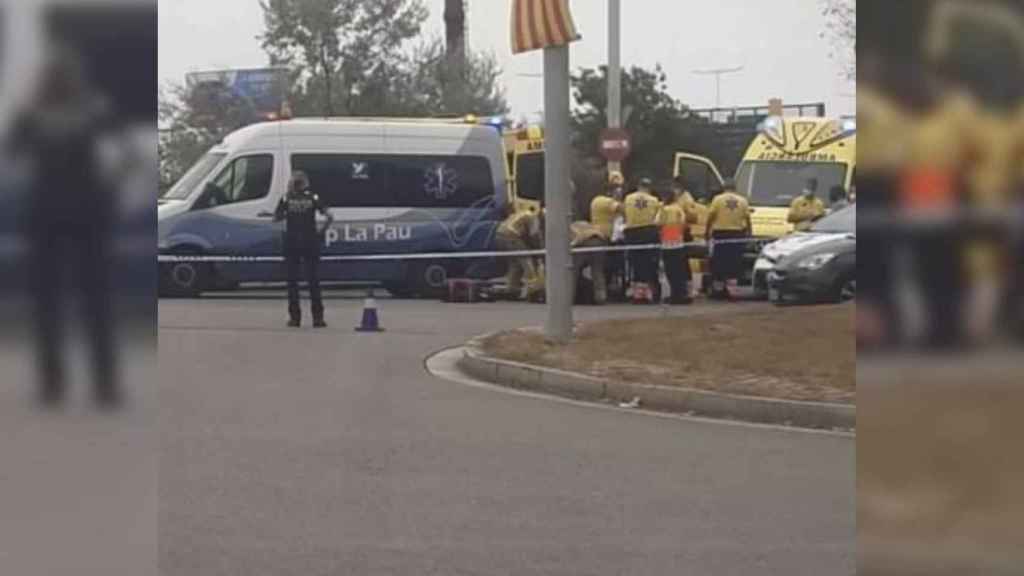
294, 323
319, 323
50, 398
109, 399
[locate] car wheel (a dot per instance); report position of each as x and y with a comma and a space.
184, 279
845, 290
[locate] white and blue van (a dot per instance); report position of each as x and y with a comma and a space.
393, 187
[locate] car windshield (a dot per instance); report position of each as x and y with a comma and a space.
778, 183
196, 174
840, 222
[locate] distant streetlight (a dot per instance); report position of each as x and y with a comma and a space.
718, 73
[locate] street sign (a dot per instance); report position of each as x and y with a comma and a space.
615, 144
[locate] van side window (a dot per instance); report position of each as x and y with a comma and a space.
398, 181
246, 178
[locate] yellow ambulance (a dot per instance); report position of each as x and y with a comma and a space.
786, 152
524, 150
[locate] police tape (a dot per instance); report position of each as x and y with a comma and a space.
173, 258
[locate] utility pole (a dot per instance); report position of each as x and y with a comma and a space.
455, 54
558, 199
718, 73
614, 71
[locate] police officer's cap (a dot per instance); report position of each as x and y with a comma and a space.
646, 183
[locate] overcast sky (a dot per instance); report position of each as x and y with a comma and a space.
778, 42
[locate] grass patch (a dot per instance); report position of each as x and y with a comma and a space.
796, 353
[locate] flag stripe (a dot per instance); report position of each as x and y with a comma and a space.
548, 17
565, 20
532, 17
524, 24
541, 23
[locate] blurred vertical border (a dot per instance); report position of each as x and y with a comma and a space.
941, 306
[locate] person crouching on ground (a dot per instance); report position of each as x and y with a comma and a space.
521, 231
586, 235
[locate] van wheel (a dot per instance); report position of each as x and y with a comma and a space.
430, 280
399, 290
184, 279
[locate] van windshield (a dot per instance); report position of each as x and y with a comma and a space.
530, 176
196, 174
778, 183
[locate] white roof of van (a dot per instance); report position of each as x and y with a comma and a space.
440, 129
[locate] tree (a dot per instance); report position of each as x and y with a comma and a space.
658, 124
346, 53
427, 85
841, 30
192, 120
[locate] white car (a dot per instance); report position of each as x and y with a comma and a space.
835, 226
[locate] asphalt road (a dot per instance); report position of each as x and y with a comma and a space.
330, 452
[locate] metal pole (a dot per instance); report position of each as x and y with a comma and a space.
717, 73
557, 196
614, 70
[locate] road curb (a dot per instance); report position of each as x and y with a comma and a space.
820, 415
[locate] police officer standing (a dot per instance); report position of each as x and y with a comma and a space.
806, 208
728, 223
641, 209
302, 241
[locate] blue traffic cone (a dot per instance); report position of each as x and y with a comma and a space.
370, 321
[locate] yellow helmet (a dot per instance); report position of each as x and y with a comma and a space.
615, 178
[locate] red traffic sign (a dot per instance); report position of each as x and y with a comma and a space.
615, 144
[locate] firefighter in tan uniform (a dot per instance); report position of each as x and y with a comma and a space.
728, 224
519, 232
882, 129
641, 210
806, 208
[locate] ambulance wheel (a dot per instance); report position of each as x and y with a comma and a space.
430, 280
183, 279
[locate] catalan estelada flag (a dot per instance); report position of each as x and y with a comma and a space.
538, 24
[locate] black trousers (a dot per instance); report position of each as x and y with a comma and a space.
677, 271
84, 247
304, 259
727, 258
644, 262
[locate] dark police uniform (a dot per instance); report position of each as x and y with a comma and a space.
302, 246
